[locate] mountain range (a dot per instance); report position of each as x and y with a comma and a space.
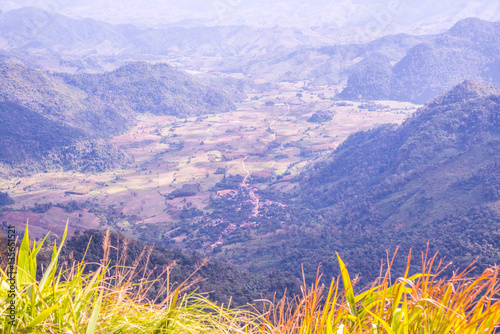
398, 67
349, 17
469, 50
68, 85
35, 35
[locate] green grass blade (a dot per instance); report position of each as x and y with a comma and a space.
42, 316
95, 315
53, 262
349, 292
23, 262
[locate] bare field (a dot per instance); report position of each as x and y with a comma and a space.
168, 153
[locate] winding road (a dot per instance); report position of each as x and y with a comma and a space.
255, 199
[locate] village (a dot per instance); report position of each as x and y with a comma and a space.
231, 196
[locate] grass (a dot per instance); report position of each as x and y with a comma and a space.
62, 299
68, 301
422, 303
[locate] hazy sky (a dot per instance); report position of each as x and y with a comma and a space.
424, 14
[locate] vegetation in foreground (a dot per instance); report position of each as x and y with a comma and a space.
61, 299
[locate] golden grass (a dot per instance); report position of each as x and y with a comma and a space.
114, 300
422, 303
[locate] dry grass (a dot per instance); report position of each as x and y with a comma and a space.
422, 303
114, 300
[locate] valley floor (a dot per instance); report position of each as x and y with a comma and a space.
263, 143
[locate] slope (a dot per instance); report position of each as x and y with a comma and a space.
52, 120
222, 282
155, 88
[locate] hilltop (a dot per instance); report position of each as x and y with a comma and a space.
158, 89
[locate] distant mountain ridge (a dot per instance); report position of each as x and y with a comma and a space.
36, 31
398, 67
469, 50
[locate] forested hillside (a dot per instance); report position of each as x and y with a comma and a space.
436, 177
158, 89
52, 120
220, 281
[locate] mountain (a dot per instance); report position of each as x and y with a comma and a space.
33, 28
329, 64
49, 96
158, 89
470, 49
276, 54
360, 17
406, 67
455, 131
435, 178
54, 120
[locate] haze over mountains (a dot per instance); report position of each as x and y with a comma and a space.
469, 50
397, 67
348, 17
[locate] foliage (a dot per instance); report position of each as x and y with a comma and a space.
222, 282
320, 116
100, 302
420, 303
159, 89
25, 134
70, 301
5, 199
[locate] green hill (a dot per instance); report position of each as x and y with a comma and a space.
436, 178
219, 280
158, 89
26, 134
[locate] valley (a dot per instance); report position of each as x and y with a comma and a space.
178, 165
